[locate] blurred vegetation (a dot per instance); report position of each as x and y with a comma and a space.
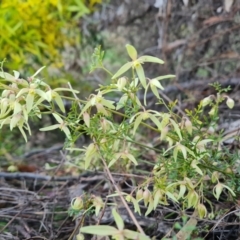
35, 31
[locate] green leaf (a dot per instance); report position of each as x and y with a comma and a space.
112, 161
132, 52
141, 75
145, 95
156, 83
22, 91
122, 70
55, 126
23, 133
150, 59
182, 191
38, 71
150, 206
88, 105
138, 120
100, 230
118, 219
171, 196
14, 121
135, 235
165, 77
5, 121
108, 103
4, 106
29, 102
176, 128
131, 158
155, 120
196, 168
59, 102
67, 132
58, 118
136, 205
65, 89
7, 76
156, 198
154, 90
17, 108
229, 189
16, 74
175, 152
41, 94
183, 150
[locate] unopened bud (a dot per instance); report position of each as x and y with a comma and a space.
80, 237
121, 83
207, 100
164, 133
202, 211
192, 199
217, 190
5, 93
77, 203
139, 194
230, 103
104, 124
86, 119
212, 111
188, 126
215, 176
146, 196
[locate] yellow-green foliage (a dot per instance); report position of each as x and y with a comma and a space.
36, 30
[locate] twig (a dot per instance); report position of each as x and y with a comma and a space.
35, 176
120, 194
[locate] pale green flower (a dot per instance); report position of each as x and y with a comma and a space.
61, 125
136, 64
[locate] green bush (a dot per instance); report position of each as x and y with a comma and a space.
34, 32
190, 168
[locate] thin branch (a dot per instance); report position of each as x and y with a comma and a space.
120, 194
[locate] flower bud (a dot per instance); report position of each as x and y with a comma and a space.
86, 119
202, 211
164, 133
12, 168
104, 124
157, 197
139, 194
80, 237
98, 203
217, 190
128, 198
77, 203
207, 100
211, 216
228, 171
212, 111
121, 83
5, 93
146, 196
215, 176
230, 103
188, 126
4, 105
192, 199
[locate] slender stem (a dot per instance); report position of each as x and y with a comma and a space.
75, 96
120, 194
106, 71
